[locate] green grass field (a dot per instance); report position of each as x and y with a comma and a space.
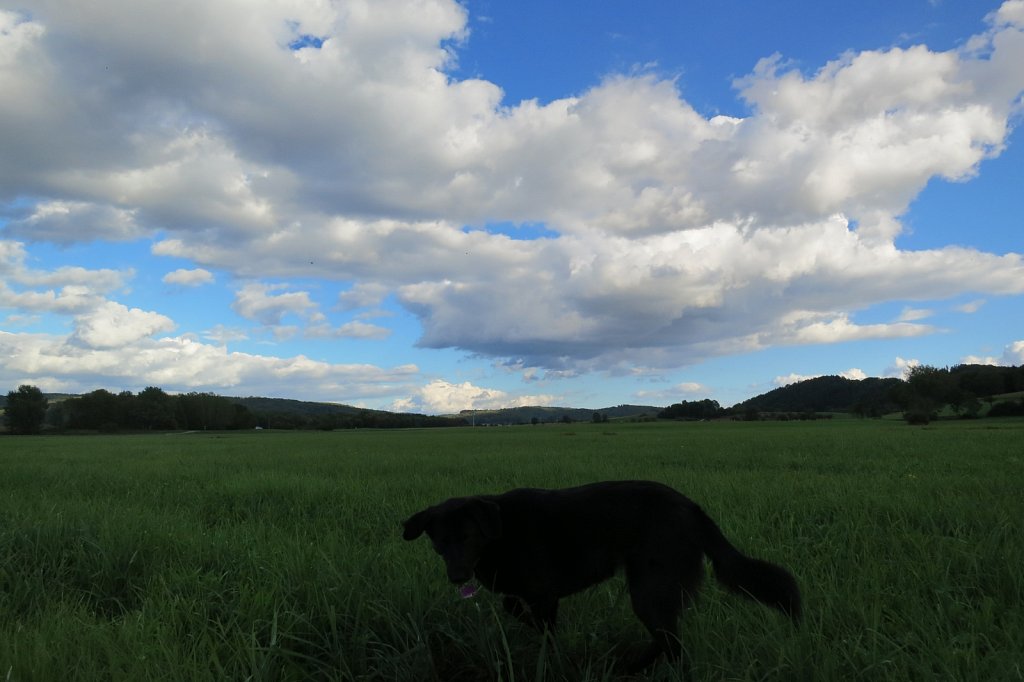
278, 556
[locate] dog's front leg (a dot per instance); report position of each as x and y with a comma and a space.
538, 613
517, 608
545, 613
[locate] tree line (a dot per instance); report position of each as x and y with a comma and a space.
695, 410
961, 389
28, 411
964, 391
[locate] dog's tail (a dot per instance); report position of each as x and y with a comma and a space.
762, 581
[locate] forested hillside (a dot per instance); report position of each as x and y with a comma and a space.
960, 390
152, 409
545, 415
866, 397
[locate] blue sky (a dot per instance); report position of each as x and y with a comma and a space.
434, 206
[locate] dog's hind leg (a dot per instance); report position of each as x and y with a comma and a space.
659, 591
658, 609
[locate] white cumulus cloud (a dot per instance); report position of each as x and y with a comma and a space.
901, 367
189, 277
971, 306
670, 236
63, 222
686, 390
444, 397
258, 302
1012, 355
113, 325
179, 363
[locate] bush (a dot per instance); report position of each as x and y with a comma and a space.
918, 417
1007, 408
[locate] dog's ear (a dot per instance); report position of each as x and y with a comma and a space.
416, 524
487, 515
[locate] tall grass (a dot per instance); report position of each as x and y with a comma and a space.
277, 556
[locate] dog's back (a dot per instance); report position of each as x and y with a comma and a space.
569, 539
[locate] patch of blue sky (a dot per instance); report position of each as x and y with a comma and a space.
736, 378
685, 42
296, 333
303, 40
520, 231
97, 254
200, 307
949, 331
998, 321
890, 312
973, 212
16, 209
34, 323
306, 40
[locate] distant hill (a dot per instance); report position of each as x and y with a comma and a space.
874, 396
870, 396
965, 386
526, 415
296, 407
153, 409
286, 413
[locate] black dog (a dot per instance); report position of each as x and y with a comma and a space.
536, 546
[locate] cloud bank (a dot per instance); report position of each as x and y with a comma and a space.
279, 140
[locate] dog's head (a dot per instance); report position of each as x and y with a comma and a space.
460, 529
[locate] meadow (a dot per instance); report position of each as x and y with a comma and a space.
278, 555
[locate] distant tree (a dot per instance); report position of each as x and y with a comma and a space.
200, 411
127, 414
26, 410
984, 380
697, 409
56, 416
927, 388
99, 410
861, 409
154, 409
